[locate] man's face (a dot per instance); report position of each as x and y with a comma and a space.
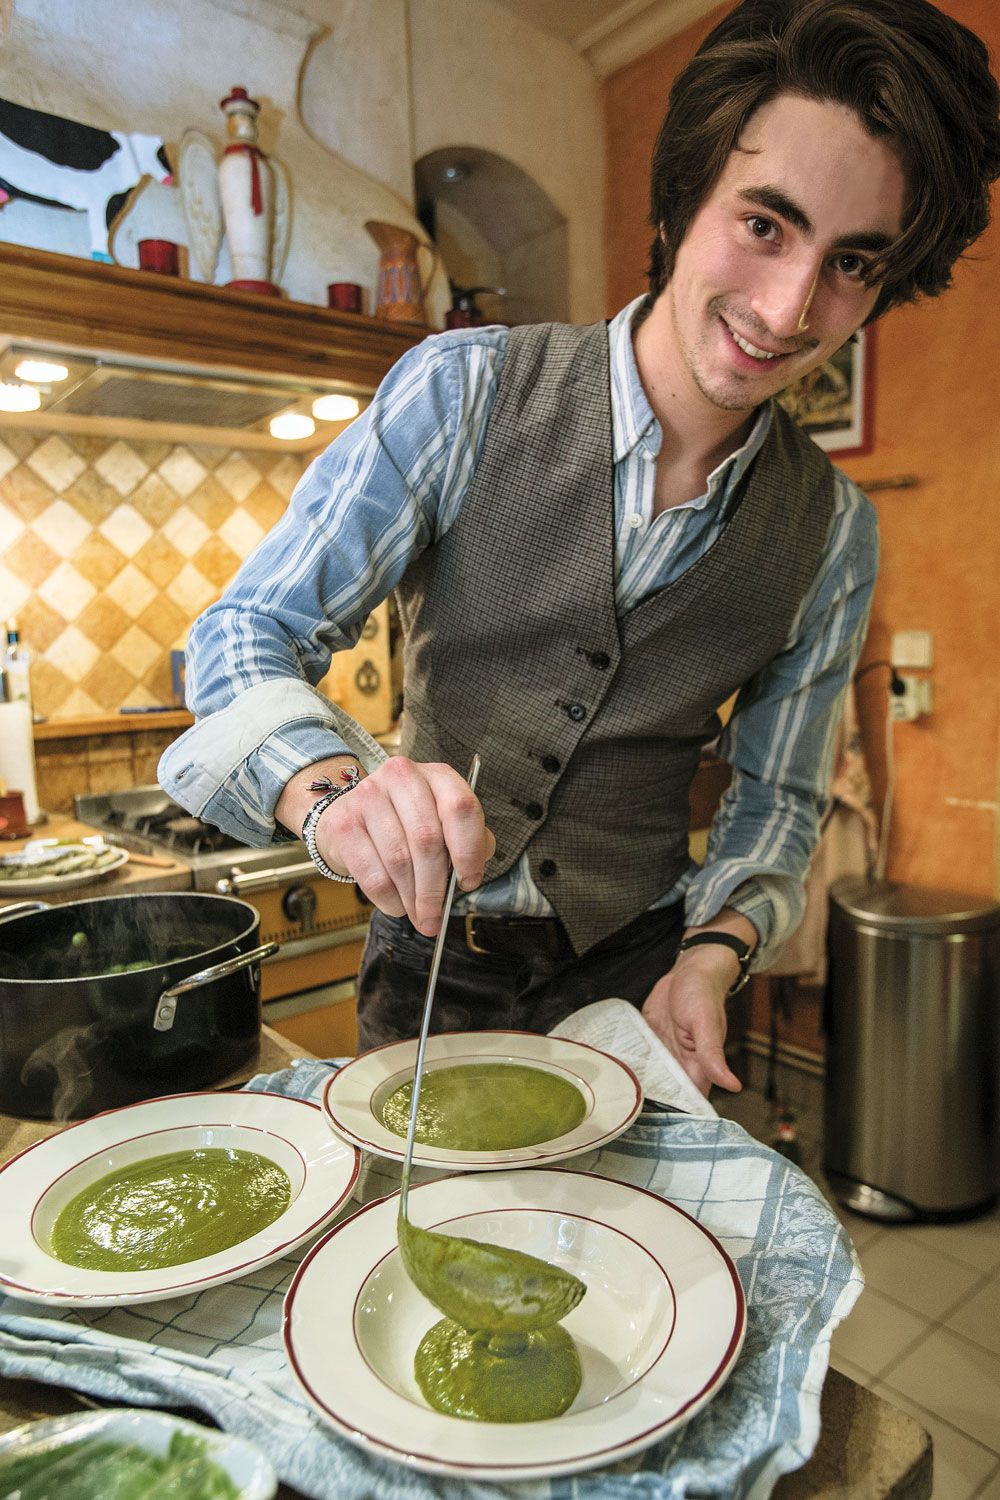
767, 282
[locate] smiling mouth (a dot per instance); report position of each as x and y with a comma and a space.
763, 356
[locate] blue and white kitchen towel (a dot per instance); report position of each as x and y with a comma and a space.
220, 1350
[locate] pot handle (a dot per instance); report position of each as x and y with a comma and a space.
166, 1006
21, 909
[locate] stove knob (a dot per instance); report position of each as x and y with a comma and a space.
299, 905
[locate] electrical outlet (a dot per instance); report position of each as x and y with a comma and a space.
911, 648
916, 699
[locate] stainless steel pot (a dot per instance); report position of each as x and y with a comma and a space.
108, 1001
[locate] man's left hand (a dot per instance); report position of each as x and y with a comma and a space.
687, 1010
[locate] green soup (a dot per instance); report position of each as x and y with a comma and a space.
91, 1469
170, 1209
489, 1378
487, 1107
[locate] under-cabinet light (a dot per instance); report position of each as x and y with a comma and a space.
292, 424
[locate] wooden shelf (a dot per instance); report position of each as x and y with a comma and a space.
63, 300
70, 729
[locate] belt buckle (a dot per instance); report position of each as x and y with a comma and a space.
470, 934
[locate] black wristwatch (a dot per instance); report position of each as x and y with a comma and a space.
743, 952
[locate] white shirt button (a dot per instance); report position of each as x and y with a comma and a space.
635, 521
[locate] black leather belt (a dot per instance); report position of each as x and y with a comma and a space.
511, 937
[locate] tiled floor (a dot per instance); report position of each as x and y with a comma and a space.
925, 1333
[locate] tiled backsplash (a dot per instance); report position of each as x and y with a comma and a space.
110, 549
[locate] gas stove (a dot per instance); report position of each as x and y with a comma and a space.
147, 820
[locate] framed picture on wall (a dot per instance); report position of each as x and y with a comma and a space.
833, 402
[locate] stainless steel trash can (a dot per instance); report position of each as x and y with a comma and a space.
913, 1051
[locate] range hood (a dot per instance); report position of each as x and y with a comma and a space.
126, 396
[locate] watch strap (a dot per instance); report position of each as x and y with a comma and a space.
742, 949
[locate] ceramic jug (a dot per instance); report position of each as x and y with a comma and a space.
399, 293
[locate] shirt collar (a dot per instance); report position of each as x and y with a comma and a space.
632, 420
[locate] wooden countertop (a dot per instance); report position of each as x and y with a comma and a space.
867, 1449
165, 874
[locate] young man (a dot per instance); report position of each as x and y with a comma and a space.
597, 536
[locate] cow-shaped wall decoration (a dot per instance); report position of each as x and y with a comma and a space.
64, 164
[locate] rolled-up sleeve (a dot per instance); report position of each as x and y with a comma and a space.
780, 741
372, 501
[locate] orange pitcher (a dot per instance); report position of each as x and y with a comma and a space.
399, 295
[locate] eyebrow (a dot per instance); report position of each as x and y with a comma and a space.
778, 202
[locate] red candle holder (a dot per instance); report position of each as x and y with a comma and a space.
345, 296
162, 256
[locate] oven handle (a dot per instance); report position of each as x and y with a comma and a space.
238, 881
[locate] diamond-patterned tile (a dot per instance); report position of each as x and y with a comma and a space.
63, 528
216, 562
50, 688
67, 591
165, 621
73, 653
285, 475
126, 530
98, 559
212, 503
25, 493
110, 549
31, 559
265, 506
159, 560
108, 683
13, 592
131, 591
56, 463
104, 622
11, 527
154, 500
186, 531
39, 623
182, 471
136, 651
242, 533
238, 475
122, 467
192, 591
93, 497
8, 459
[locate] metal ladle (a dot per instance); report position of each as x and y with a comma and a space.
480, 1286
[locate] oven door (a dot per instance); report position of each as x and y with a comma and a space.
308, 988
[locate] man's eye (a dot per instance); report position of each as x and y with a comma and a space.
760, 227
850, 265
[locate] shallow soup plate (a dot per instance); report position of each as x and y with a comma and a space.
658, 1330
355, 1096
39, 1183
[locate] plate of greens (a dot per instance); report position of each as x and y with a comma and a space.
45, 865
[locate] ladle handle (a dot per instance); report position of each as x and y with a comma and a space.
404, 1186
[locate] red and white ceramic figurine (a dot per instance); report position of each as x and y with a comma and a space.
247, 190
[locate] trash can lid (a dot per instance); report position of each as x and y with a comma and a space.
912, 908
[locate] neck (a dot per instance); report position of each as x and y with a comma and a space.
696, 432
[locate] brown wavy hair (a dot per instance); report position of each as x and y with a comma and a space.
912, 75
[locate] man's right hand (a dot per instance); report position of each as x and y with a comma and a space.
397, 833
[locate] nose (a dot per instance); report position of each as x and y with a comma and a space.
784, 301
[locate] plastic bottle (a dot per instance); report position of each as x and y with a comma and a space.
17, 665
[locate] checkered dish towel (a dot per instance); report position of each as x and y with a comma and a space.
220, 1350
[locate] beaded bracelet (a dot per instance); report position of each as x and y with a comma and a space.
349, 778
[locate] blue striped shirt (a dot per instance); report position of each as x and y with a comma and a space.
391, 485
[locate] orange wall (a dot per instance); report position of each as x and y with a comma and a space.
936, 415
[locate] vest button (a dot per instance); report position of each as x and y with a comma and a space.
551, 763
548, 868
601, 660
576, 711
534, 810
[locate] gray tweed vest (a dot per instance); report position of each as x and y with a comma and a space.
590, 726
